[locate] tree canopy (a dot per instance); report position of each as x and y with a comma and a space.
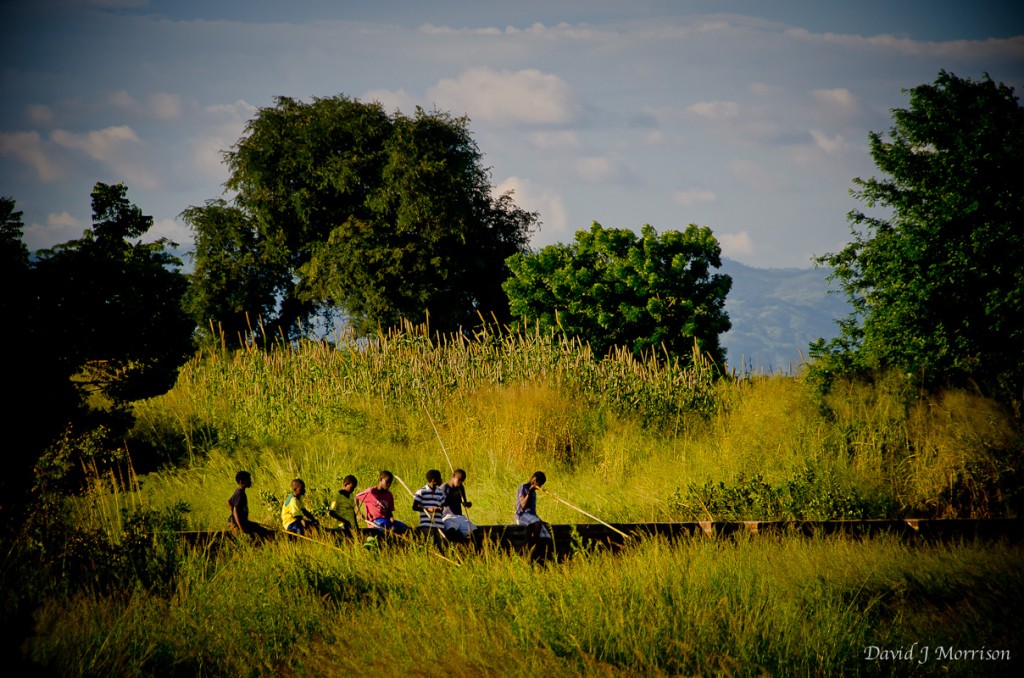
610, 287
101, 315
339, 205
934, 272
111, 306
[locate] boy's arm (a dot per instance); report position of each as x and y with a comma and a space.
522, 496
333, 512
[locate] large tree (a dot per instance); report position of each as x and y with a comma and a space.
100, 315
339, 205
610, 287
935, 271
110, 305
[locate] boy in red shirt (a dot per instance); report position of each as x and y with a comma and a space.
380, 505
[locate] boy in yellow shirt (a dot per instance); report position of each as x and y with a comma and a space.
294, 515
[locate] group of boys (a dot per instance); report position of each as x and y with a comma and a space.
439, 504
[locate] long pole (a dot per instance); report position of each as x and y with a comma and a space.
450, 465
589, 515
315, 541
462, 490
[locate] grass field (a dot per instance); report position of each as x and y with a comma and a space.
624, 439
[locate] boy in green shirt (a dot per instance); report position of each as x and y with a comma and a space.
343, 508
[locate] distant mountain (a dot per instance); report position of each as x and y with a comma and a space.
776, 313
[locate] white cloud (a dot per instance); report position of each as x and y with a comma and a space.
160, 106
121, 99
172, 230
511, 98
240, 110
392, 101
603, 169
694, 196
835, 107
830, 145
59, 227
431, 29
115, 147
839, 97
549, 204
658, 139
99, 144
28, 147
736, 245
207, 157
165, 107
64, 219
715, 110
973, 50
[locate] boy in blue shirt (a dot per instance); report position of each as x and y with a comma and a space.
526, 506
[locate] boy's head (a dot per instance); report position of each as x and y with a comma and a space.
433, 477
458, 477
348, 483
539, 478
243, 478
298, 487
384, 481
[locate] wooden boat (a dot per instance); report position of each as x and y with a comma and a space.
570, 538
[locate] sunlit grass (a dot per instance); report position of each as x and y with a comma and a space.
786, 607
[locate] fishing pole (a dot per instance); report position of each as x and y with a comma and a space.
315, 541
431, 419
462, 490
557, 498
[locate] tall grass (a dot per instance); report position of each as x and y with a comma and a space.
626, 439
751, 607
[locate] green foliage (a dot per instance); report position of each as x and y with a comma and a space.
59, 556
311, 386
236, 273
13, 252
611, 288
341, 206
95, 323
810, 494
933, 272
65, 465
110, 309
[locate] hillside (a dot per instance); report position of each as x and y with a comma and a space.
776, 313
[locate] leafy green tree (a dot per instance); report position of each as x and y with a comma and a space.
934, 272
98, 316
610, 287
340, 206
109, 309
235, 275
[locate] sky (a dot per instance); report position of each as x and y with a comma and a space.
749, 117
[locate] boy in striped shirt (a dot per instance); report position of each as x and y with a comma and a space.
429, 501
